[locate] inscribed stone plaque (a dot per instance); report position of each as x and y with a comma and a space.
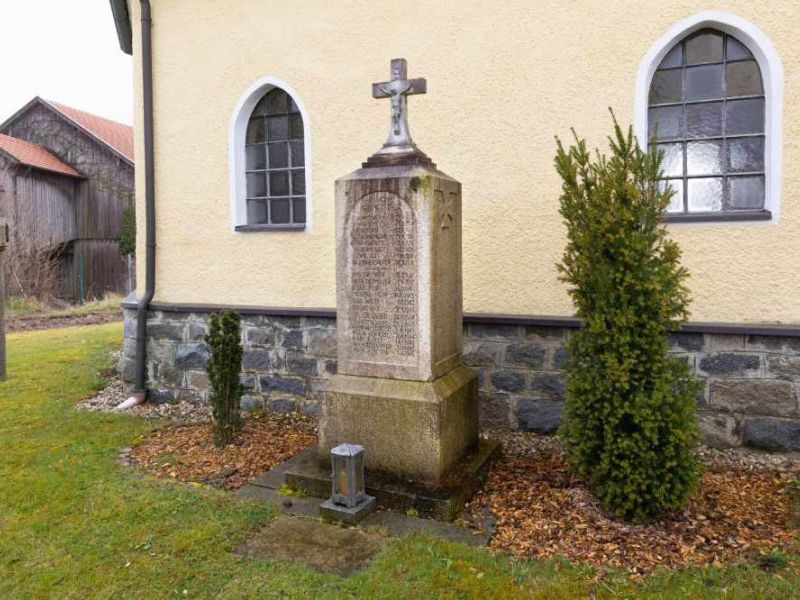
382, 273
398, 273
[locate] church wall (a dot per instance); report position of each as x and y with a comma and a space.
750, 393
503, 79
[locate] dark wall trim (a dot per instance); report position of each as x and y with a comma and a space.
131, 303
122, 21
534, 320
478, 318
255, 228
745, 215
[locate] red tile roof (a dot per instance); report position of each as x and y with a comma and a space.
117, 135
35, 156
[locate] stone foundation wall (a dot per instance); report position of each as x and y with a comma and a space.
750, 395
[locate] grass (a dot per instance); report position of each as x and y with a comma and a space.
295, 492
18, 306
73, 524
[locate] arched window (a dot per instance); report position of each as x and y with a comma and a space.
269, 168
709, 92
275, 162
706, 109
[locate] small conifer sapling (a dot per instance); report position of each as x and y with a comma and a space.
223, 368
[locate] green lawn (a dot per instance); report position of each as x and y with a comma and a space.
73, 524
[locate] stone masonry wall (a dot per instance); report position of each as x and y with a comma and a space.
750, 395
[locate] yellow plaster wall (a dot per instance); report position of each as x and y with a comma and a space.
504, 77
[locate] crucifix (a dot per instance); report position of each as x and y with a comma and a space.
397, 89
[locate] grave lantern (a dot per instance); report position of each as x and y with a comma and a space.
348, 475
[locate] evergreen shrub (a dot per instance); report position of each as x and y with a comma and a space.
629, 420
127, 231
223, 368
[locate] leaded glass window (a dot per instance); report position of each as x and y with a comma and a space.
706, 112
275, 163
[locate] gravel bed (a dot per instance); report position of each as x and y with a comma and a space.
524, 444
178, 413
113, 395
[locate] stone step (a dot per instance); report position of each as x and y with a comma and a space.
444, 502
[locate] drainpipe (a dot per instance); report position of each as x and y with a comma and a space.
139, 394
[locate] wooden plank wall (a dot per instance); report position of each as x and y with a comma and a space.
109, 179
100, 264
43, 211
89, 215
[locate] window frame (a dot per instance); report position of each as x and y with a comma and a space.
772, 78
237, 159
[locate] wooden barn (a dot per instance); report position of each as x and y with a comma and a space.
66, 180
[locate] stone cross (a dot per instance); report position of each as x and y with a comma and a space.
398, 88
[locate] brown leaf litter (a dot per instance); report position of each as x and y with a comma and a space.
187, 453
743, 505
542, 511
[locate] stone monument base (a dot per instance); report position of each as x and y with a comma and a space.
416, 429
442, 502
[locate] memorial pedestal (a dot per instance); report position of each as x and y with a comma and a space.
419, 429
401, 390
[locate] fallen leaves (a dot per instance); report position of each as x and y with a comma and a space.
542, 511
187, 453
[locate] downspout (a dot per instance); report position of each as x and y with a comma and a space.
139, 394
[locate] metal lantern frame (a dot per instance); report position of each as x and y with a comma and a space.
347, 476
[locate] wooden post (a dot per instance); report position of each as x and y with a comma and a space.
4, 237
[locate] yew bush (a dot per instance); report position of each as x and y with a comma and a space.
223, 368
629, 420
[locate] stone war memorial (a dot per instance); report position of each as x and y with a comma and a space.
401, 390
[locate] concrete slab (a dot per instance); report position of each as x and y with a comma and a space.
275, 477
291, 505
396, 524
383, 522
323, 547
